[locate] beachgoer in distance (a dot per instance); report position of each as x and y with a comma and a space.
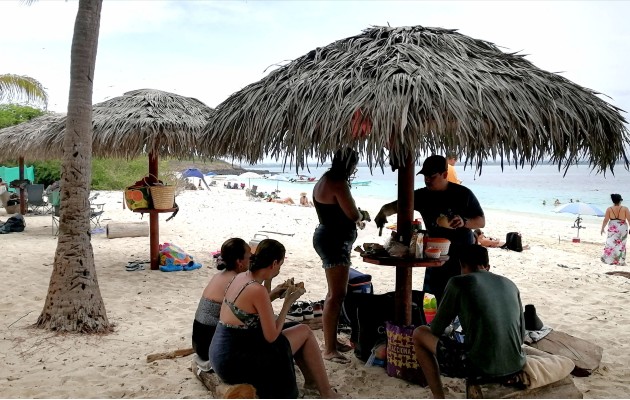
451, 159
556, 203
617, 217
449, 211
286, 200
491, 316
485, 241
4, 184
250, 344
234, 259
333, 238
304, 201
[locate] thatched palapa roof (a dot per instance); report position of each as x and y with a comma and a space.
14, 140
127, 126
419, 90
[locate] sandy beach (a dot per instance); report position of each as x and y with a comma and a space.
153, 311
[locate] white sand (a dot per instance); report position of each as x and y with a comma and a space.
153, 310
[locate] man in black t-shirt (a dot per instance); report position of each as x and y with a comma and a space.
439, 199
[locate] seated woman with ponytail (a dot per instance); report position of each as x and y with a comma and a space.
250, 344
235, 256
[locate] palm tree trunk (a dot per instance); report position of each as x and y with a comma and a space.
74, 301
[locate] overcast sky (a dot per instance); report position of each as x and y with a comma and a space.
210, 49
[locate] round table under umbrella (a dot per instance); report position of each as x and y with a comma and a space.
398, 94
144, 121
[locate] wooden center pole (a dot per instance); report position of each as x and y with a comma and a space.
404, 218
23, 205
154, 218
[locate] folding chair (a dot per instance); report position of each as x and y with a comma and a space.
97, 210
55, 201
35, 194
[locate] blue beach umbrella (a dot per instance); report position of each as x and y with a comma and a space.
194, 173
579, 209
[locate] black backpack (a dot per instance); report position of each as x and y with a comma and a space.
513, 241
14, 224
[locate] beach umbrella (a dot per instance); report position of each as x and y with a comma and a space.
580, 209
14, 138
195, 173
140, 122
396, 94
249, 176
278, 179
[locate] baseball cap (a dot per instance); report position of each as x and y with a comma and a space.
432, 165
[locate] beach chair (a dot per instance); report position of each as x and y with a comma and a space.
35, 194
55, 201
97, 210
252, 193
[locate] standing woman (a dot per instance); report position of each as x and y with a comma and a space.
333, 238
617, 217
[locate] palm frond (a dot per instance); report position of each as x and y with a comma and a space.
18, 87
416, 90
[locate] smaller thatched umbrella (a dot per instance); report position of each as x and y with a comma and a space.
15, 139
143, 121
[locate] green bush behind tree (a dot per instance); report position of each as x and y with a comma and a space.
13, 114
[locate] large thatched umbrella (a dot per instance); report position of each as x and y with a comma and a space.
406, 92
144, 121
14, 138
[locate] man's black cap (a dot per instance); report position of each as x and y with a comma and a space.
433, 165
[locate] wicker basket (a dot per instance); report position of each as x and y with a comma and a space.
163, 197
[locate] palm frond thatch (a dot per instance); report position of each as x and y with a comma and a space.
417, 90
17, 140
139, 122
17, 87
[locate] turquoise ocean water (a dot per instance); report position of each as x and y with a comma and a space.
522, 189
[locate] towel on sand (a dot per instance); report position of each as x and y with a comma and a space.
541, 370
534, 336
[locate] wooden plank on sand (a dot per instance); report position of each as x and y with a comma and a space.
585, 355
221, 390
562, 389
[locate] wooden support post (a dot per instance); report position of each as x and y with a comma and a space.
23, 205
154, 219
404, 218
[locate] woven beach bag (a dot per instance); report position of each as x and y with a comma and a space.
163, 197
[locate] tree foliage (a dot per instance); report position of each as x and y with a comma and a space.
18, 87
13, 114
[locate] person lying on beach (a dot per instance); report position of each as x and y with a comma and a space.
485, 241
235, 256
286, 200
251, 345
491, 315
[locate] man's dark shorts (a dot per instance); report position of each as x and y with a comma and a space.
451, 357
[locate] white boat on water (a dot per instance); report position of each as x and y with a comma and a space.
303, 179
